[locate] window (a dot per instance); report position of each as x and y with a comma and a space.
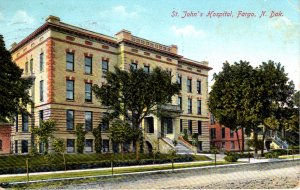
231, 133
105, 145
146, 69
189, 85
180, 102
104, 126
24, 123
24, 146
199, 107
223, 132
212, 119
70, 90
31, 66
41, 62
213, 133
190, 105
70, 119
223, 144
0, 144
88, 65
41, 91
70, 61
104, 66
88, 121
26, 68
133, 66
200, 127
149, 124
16, 147
41, 116
88, 92
167, 124
232, 145
200, 146
70, 145
198, 86
89, 145
190, 127
17, 122
179, 81
42, 147
181, 125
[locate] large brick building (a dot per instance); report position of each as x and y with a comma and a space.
65, 61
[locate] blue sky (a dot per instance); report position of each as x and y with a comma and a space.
200, 38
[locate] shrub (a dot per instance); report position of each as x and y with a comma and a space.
231, 158
271, 155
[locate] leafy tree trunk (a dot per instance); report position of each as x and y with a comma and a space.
122, 150
46, 146
137, 144
65, 161
263, 140
255, 141
238, 139
243, 140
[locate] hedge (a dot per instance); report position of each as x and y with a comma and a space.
93, 164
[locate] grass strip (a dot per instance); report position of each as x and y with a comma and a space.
105, 172
289, 156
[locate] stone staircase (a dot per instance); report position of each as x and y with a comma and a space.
180, 147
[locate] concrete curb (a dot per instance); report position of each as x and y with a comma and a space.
203, 170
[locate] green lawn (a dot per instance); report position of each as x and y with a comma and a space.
17, 163
289, 156
106, 171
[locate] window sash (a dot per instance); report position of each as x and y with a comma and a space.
42, 62
189, 105
24, 123
199, 107
70, 61
88, 65
189, 85
104, 66
146, 69
180, 102
41, 91
200, 127
88, 92
88, 121
199, 87
70, 90
70, 119
133, 66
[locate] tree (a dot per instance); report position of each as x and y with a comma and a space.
45, 132
59, 146
98, 138
13, 87
120, 132
296, 99
246, 96
80, 141
134, 94
226, 99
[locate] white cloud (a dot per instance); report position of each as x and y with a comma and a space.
188, 31
21, 17
121, 12
1, 17
287, 28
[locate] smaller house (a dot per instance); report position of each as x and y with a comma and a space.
222, 137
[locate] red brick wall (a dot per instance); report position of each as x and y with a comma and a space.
5, 132
219, 140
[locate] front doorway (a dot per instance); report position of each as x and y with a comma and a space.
166, 126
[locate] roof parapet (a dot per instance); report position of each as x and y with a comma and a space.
53, 19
